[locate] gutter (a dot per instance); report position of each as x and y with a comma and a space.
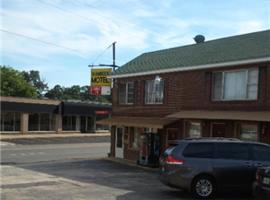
195, 67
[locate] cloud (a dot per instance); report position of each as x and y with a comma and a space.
89, 26
86, 36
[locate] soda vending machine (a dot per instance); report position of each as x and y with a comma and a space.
150, 149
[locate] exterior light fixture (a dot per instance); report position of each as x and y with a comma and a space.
157, 79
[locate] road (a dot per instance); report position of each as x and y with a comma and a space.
18, 154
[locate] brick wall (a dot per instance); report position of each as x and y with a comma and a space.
190, 90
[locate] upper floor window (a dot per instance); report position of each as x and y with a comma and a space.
154, 91
126, 93
236, 85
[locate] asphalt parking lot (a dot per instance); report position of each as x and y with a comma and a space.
97, 179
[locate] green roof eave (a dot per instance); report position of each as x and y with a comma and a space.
188, 68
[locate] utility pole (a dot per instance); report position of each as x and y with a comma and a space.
113, 65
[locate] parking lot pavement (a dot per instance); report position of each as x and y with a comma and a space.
96, 179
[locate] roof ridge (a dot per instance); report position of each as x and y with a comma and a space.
203, 43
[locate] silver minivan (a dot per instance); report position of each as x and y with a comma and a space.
205, 166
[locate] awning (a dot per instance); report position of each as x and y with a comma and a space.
141, 122
227, 115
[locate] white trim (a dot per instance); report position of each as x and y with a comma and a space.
195, 67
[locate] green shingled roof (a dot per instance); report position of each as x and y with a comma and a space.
236, 48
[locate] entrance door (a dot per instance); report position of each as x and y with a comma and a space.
218, 129
119, 146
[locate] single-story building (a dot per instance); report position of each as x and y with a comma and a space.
24, 115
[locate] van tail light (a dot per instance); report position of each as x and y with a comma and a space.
173, 161
257, 177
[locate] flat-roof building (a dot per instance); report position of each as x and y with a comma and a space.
24, 115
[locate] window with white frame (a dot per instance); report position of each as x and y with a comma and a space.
235, 84
195, 130
154, 91
249, 132
126, 93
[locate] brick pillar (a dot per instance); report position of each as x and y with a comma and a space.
58, 123
24, 123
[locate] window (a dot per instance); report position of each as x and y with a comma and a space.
126, 93
195, 129
41, 122
261, 153
33, 122
10, 121
69, 123
154, 91
249, 132
232, 151
199, 150
134, 138
172, 136
235, 85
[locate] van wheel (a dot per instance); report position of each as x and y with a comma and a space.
203, 187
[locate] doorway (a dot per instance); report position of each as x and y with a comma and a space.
119, 139
218, 129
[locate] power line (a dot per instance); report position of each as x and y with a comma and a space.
99, 55
67, 11
41, 41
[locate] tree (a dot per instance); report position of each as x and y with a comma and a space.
34, 79
14, 84
74, 92
57, 92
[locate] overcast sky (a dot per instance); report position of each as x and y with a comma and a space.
69, 35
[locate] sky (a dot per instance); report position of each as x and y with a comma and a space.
60, 38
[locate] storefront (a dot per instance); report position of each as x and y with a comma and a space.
23, 115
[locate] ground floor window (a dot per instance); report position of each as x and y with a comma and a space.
87, 124
195, 129
172, 136
69, 123
100, 126
249, 132
41, 122
134, 138
10, 121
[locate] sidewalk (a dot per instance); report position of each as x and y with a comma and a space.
52, 135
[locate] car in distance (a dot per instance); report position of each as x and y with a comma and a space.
204, 166
261, 188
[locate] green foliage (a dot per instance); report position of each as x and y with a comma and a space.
14, 84
74, 92
34, 79
29, 84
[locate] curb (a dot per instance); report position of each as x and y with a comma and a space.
130, 163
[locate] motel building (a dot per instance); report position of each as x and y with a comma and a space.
215, 88
26, 116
